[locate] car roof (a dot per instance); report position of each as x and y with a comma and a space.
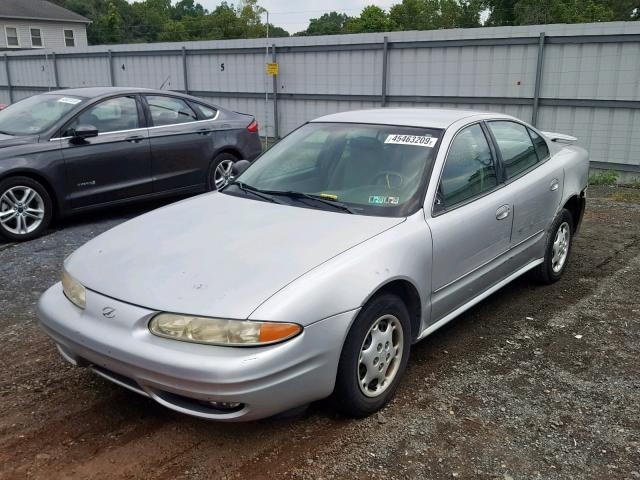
93, 92
410, 117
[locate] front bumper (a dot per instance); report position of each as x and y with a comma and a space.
186, 376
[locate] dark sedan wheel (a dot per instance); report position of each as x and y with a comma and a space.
374, 357
220, 170
25, 208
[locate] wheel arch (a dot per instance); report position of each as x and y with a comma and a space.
409, 294
575, 205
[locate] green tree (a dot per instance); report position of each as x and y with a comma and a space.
531, 12
331, 23
108, 28
372, 19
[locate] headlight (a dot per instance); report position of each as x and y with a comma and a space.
217, 331
74, 290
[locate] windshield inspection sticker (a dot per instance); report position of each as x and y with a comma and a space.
382, 200
417, 140
69, 100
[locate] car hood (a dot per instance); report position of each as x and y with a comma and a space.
216, 254
10, 140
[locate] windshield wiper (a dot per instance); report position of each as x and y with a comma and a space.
253, 190
317, 198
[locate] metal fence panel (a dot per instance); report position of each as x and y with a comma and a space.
83, 72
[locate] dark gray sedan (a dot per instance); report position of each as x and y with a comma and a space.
71, 150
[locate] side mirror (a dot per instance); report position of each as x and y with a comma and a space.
238, 167
84, 131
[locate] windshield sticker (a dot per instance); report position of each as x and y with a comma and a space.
417, 140
69, 100
382, 200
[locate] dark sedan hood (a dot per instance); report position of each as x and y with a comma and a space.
11, 141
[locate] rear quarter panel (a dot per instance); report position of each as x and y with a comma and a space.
575, 162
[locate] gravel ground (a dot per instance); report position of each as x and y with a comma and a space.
535, 382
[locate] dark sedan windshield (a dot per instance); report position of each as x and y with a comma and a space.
36, 114
372, 169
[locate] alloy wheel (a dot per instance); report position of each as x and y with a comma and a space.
560, 249
21, 210
380, 356
222, 173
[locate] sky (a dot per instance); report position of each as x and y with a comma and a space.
294, 15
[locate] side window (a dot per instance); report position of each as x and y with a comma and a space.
541, 146
518, 153
469, 169
169, 111
111, 115
207, 112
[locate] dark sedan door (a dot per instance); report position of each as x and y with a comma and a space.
181, 143
116, 164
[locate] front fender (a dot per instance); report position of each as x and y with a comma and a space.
348, 280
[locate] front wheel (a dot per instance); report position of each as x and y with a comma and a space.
557, 249
220, 171
25, 209
374, 357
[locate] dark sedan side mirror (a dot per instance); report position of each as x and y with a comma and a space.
84, 131
239, 167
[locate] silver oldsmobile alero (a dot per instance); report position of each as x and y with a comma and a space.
313, 273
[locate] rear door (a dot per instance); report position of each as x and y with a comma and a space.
116, 164
182, 143
533, 176
470, 224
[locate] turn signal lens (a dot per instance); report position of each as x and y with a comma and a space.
74, 290
218, 331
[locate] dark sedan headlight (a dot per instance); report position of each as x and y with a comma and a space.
74, 290
219, 331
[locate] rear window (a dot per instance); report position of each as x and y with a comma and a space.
516, 147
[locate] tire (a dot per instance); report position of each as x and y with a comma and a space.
26, 209
221, 165
556, 256
352, 380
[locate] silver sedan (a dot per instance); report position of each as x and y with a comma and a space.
314, 271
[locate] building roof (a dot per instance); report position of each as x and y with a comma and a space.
410, 117
38, 10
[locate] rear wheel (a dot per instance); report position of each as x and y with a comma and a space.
374, 357
220, 170
558, 247
25, 208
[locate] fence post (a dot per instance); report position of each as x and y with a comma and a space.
6, 69
537, 86
112, 78
184, 70
385, 59
276, 133
55, 70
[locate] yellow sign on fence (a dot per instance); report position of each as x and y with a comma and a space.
272, 69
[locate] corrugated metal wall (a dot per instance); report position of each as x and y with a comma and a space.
589, 76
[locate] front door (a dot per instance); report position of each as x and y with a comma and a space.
116, 164
470, 225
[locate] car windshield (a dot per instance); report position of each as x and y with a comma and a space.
356, 168
36, 114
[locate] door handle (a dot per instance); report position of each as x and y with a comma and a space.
503, 212
134, 138
204, 131
555, 184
